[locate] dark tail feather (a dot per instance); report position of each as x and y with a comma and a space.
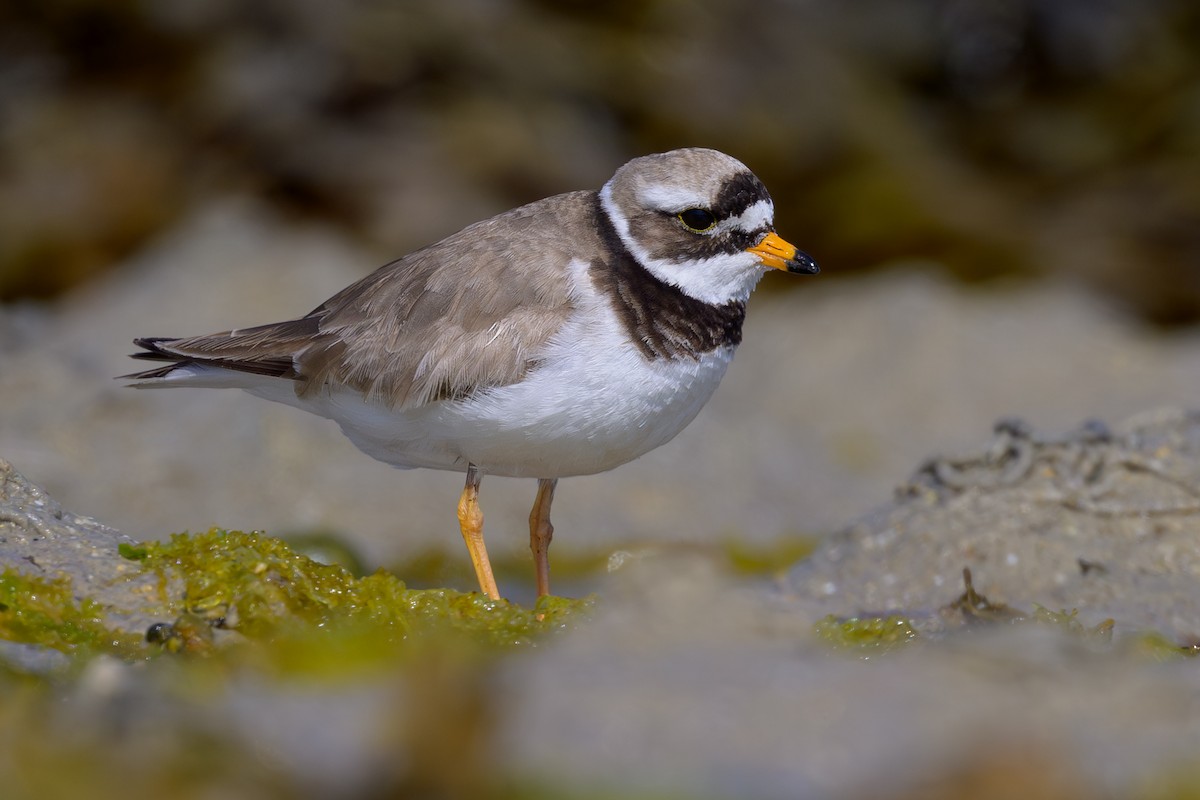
265, 350
158, 372
153, 352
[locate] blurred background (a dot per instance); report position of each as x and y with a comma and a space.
1004, 196
986, 137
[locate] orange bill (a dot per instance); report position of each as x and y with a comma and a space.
774, 252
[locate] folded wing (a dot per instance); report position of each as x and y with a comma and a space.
445, 322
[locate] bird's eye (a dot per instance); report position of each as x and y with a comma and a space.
697, 220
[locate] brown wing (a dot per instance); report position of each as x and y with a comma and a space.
469, 312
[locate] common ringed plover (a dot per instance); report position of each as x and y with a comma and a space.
564, 337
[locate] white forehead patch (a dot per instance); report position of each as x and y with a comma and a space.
757, 217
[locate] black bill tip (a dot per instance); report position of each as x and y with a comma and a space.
802, 264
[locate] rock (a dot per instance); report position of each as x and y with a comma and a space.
37, 537
1105, 521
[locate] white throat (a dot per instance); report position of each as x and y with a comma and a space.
716, 280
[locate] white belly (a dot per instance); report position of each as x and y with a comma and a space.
594, 403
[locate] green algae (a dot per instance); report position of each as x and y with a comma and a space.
1068, 622
45, 612
770, 558
220, 589
266, 591
865, 636
1154, 646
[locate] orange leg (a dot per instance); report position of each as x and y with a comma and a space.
541, 532
470, 522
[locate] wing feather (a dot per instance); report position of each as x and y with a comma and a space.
470, 312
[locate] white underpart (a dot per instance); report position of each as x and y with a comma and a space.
593, 403
716, 280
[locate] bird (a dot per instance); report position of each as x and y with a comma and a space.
561, 338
